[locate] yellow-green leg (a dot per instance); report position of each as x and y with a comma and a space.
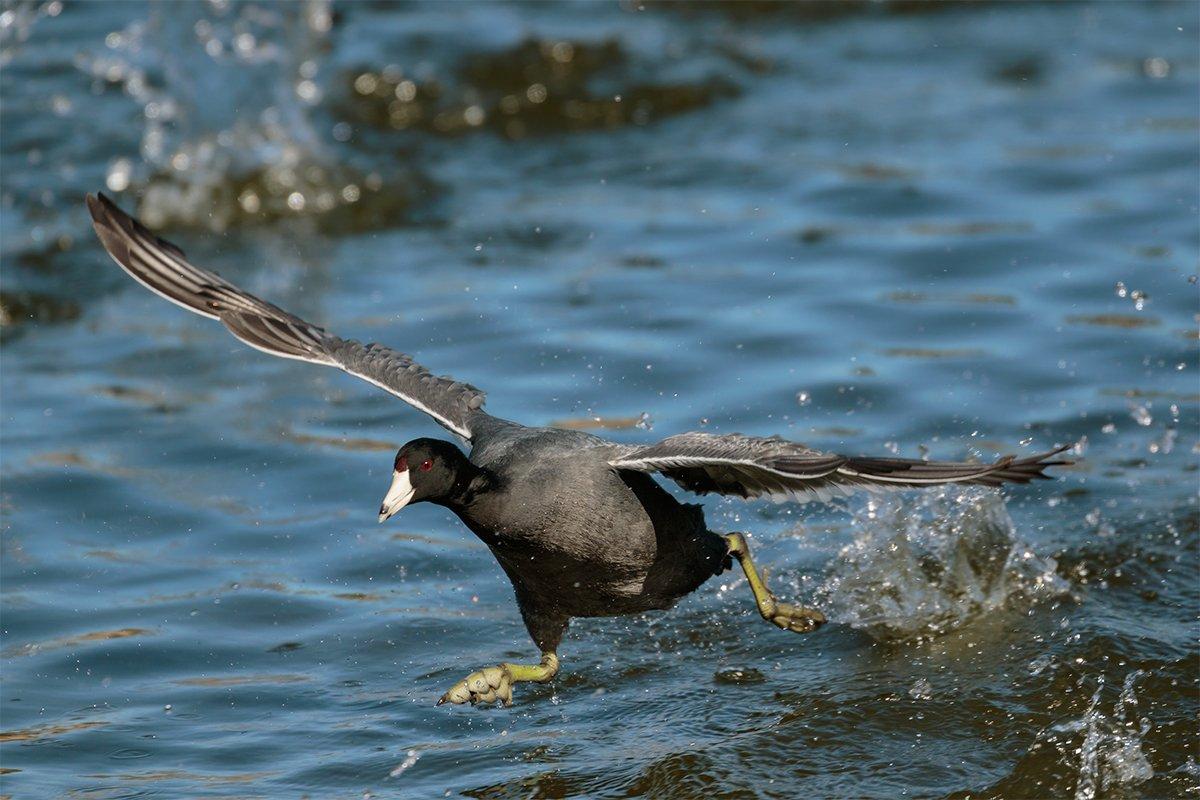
785, 615
495, 683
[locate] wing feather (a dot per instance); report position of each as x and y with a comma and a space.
749, 466
164, 269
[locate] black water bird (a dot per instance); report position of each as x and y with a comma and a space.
577, 522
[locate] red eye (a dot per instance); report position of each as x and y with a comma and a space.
426, 465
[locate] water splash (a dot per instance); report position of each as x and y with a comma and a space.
17, 21
925, 564
259, 172
228, 133
410, 759
1110, 754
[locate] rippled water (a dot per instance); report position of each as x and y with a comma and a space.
871, 227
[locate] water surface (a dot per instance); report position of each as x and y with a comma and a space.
964, 231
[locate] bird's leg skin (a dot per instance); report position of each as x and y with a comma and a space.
492, 684
783, 615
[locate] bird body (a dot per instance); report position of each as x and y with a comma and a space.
575, 534
578, 523
576, 537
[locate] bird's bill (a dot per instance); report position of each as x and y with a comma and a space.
398, 495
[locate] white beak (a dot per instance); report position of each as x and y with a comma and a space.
398, 495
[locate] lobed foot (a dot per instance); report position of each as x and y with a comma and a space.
797, 619
794, 618
485, 686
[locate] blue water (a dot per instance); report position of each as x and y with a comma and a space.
969, 230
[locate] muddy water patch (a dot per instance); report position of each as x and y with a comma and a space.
535, 88
36, 648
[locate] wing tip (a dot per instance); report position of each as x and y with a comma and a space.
107, 225
112, 225
1026, 469
103, 210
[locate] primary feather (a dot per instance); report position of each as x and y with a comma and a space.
164, 269
752, 466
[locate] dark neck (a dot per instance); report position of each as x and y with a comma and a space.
469, 480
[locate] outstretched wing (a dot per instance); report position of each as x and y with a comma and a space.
163, 269
749, 466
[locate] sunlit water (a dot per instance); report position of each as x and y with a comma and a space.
967, 231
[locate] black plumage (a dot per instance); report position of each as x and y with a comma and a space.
576, 522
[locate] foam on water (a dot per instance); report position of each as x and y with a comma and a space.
923, 564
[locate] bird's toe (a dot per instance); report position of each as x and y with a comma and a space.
797, 619
486, 686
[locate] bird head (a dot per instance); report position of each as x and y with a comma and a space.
424, 469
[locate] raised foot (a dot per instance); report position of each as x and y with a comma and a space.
794, 618
488, 685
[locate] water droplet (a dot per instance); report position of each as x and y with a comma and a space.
536, 93
406, 91
308, 91
474, 116
119, 173
1141, 415
295, 201
562, 52
644, 421
1165, 443
1039, 664
803, 398
244, 44
1156, 68
365, 83
249, 201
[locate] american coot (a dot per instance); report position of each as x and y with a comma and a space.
576, 522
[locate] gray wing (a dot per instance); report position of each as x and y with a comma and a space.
749, 466
163, 269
